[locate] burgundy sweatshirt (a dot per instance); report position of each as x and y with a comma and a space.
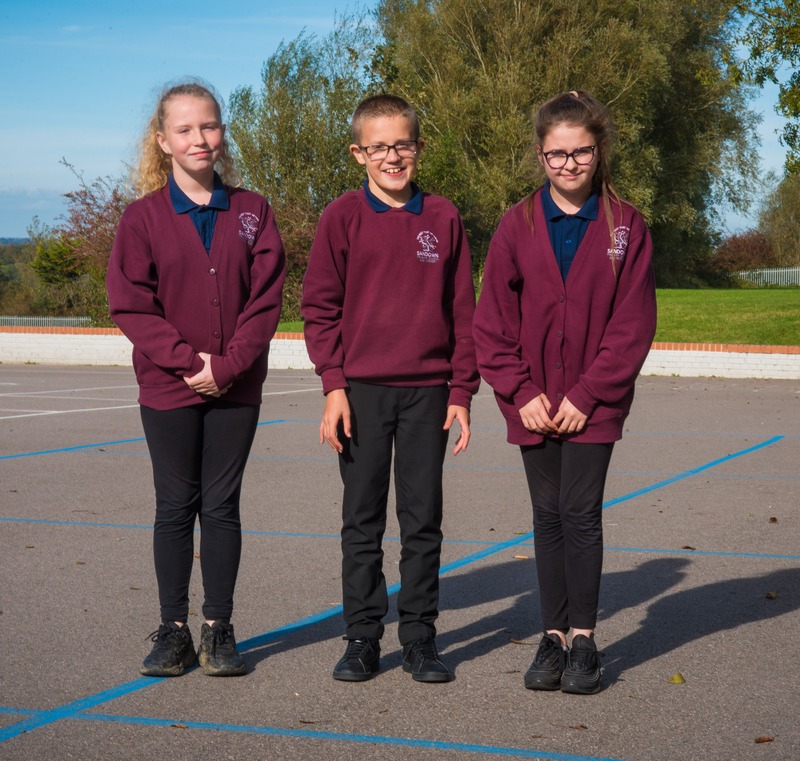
173, 300
388, 297
585, 339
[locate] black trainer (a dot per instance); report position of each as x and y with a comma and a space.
548, 665
422, 661
360, 661
218, 654
582, 674
172, 653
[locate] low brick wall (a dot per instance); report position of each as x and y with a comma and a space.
107, 346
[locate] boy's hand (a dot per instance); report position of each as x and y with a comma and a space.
569, 418
336, 408
455, 412
536, 415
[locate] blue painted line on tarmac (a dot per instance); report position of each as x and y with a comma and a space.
277, 534
94, 446
692, 472
712, 553
308, 734
70, 710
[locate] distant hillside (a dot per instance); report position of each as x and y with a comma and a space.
14, 241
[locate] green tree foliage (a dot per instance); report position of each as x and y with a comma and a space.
71, 259
771, 34
780, 221
476, 69
291, 136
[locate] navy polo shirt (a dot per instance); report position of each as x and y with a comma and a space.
203, 217
414, 204
567, 230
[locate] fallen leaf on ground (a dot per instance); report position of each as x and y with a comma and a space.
688, 547
773, 519
179, 726
578, 726
521, 557
517, 641
772, 595
764, 739
677, 678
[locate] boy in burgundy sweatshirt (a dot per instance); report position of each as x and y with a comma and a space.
388, 300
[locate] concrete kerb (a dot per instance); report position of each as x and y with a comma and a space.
107, 346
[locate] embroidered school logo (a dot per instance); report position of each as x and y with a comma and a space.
427, 240
249, 222
621, 237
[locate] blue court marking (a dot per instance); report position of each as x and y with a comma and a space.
70, 710
712, 553
692, 472
306, 734
98, 444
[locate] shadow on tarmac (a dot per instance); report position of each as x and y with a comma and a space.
672, 620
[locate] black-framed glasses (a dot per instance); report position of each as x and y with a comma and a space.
405, 149
559, 159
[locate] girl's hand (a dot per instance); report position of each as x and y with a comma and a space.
569, 419
461, 414
203, 382
337, 408
536, 415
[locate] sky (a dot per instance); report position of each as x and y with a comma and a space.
79, 79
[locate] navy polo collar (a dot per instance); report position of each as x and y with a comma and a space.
551, 210
183, 204
414, 204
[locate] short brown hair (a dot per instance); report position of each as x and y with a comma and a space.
377, 106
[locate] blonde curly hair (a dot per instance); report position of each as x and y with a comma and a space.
154, 165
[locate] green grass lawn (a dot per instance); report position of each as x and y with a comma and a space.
762, 316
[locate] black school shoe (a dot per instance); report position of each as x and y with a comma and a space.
422, 661
361, 660
218, 654
172, 653
582, 674
548, 665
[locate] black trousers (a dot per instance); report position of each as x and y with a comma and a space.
198, 455
409, 420
566, 482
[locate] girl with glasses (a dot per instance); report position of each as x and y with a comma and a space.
564, 323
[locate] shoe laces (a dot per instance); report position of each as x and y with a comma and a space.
548, 652
221, 636
426, 648
356, 648
582, 659
166, 634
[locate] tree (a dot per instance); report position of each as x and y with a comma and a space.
72, 258
771, 34
291, 137
780, 221
476, 68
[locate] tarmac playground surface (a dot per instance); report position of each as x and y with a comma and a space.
701, 579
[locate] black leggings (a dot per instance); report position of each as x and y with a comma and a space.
198, 455
566, 482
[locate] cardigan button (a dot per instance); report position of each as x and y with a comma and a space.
558, 365
561, 297
215, 334
560, 397
215, 302
212, 271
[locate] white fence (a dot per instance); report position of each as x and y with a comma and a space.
776, 276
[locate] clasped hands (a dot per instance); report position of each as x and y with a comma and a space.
536, 417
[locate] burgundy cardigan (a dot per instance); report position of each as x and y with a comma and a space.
585, 339
173, 300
